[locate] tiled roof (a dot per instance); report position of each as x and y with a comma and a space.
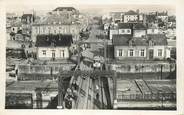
57, 40
121, 40
64, 8
131, 12
158, 39
26, 15
124, 25
162, 13
56, 19
139, 26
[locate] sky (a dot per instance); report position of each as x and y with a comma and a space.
26, 6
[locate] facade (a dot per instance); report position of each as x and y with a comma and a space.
27, 18
117, 16
51, 47
140, 48
130, 16
121, 29
16, 27
133, 17
55, 24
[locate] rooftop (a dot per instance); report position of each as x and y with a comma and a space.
64, 8
122, 40
139, 26
158, 39
55, 19
131, 12
56, 40
27, 15
124, 25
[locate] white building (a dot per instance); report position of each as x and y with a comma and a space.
53, 47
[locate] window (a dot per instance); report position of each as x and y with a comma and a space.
122, 31
159, 52
120, 52
131, 52
43, 29
44, 52
128, 31
55, 31
62, 53
151, 43
142, 53
152, 30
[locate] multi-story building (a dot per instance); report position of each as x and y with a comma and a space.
144, 48
56, 24
133, 17
51, 47
27, 18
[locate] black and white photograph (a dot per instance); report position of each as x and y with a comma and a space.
91, 57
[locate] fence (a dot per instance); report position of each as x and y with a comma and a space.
147, 97
144, 67
41, 72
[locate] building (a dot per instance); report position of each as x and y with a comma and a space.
121, 29
117, 16
53, 47
140, 48
130, 16
152, 29
56, 24
65, 10
139, 30
15, 27
27, 18
163, 16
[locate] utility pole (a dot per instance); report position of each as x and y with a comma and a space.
161, 71
60, 93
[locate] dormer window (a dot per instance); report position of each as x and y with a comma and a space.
131, 43
151, 43
53, 44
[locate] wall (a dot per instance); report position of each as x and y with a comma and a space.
126, 31
137, 49
155, 51
128, 18
40, 72
126, 49
58, 53
56, 29
113, 32
152, 31
133, 67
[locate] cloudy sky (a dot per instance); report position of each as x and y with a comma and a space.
93, 6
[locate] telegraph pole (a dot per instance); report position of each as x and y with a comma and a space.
161, 67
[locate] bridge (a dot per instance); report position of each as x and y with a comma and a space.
87, 89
